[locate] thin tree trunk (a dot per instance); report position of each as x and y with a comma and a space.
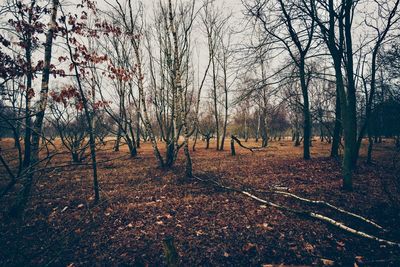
147, 123
226, 105
264, 133
131, 141
264, 119
195, 139
225, 121
181, 97
297, 138
258, 125
118, 138
138, 126
28, 96
92, 144
246, 133
215, 101
370, 146
337, 130
233, 152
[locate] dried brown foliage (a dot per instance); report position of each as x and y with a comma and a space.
141, 205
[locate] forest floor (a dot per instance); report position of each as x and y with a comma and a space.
141, 205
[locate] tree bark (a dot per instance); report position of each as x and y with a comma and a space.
306, 111
337, 128
233, 152
28, 96
225, 102
37, 128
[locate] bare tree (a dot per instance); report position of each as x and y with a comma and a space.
214, 23
334, 23
387, 18
299, 31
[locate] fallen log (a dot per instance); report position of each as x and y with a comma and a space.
320, 202
278, 190
325, 219
314, 215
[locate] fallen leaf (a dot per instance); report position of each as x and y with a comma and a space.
327, 262
309, 247
199, 232
249, 247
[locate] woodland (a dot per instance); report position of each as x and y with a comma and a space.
199, 133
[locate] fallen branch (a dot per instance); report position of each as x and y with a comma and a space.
240, 143
318, 216
260, 148
252, 149
325, 219
320, 202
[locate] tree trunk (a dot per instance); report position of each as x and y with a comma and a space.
338, 128
92, 144
225, 121
370, 146
297, 139
233, 152
118, 139
147, 123
181, 96
215, 100
306, 111
264, 133
131, 141
33, 157
226, 105
195, 139
138, 126
208, 142
28, 96
246, 133
263, 118
349, 115
37, 128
